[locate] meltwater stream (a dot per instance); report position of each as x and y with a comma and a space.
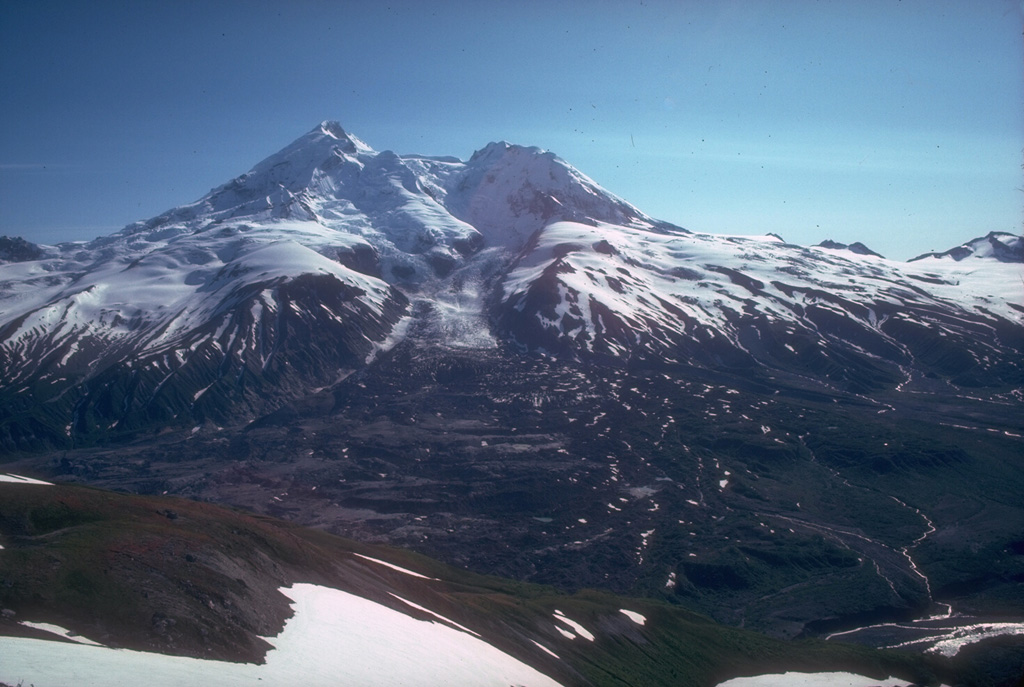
943, 631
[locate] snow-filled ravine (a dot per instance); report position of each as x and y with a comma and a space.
334, 638
942, 631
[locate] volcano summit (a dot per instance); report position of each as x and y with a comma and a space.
293, 275
498, 363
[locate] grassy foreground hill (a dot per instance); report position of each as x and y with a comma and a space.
178, 577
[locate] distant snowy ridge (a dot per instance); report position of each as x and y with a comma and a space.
997, 245
856, 247
623, 292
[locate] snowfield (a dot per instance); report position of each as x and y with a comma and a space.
334, 639
814, 680
687, 284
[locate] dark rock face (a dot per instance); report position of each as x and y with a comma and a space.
17, 249
360, 258
269, 342
855, 247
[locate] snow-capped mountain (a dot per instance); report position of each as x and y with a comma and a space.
291, 276
997, 245
858, 320
498, 363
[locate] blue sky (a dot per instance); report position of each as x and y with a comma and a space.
899, 123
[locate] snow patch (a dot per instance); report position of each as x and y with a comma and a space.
814, 680
334, 638
395, 567
580, 630
545, 649
18, 479
637, 618
972, 634
59, 631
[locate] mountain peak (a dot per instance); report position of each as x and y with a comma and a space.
856, 247
498, 149
349, 143
17, 249
332, 128
272, 185
1001, 246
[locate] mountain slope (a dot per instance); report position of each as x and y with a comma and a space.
858, 322
291, 276
187, 579
221, 309
497, 363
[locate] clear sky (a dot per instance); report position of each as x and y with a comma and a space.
899, 123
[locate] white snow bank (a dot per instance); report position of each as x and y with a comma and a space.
580, 630
18, 479
334, 638
60, 632
814, 680
637, 618
395, 567
951, 644
545, 649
